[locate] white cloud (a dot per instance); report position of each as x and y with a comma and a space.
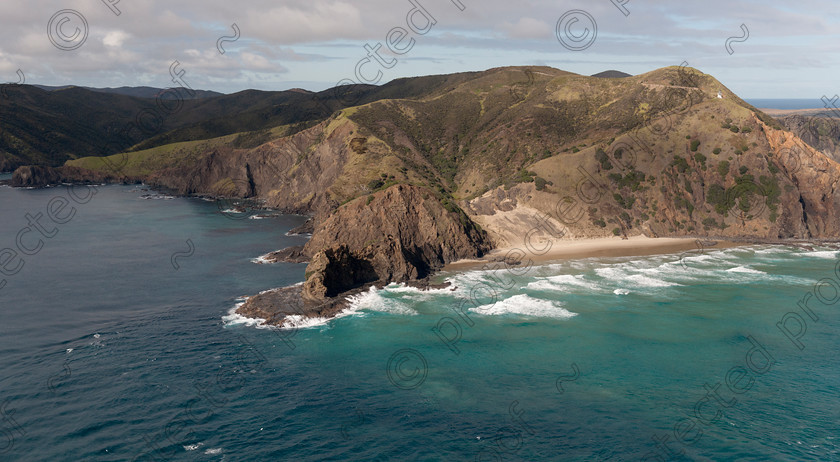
115, 39
321, 40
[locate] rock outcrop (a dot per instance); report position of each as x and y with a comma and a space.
821, 133
399, 234
35, 176
288, 255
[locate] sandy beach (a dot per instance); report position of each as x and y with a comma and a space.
565, 249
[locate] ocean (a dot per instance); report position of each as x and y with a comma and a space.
789, 103
118, 343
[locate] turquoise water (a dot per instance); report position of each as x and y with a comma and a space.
110, 352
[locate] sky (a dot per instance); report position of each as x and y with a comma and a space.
766, 49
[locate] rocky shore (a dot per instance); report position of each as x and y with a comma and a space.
400, 234
35, 176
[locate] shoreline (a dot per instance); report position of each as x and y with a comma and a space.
606, 247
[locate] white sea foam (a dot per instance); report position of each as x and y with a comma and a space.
296, 321
646, 281
621, 291
415, 292
693, 258
193, 447
261, 260
621, 275
831, 254
744, 269
233, 318
213, 452
372, 300
610, 272
771, 250
563, 282
289, 322
524, 305
544, 284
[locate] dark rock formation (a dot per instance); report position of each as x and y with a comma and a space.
400, 234
307, 227
33, 176
335, 270
275, 305
821, 133
288, 255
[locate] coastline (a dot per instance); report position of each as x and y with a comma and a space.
569, 249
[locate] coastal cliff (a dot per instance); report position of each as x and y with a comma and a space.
398, 187
399, 234
403, 233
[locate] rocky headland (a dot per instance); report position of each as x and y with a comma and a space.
446, 168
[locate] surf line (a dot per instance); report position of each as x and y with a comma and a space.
567, 211
11, 262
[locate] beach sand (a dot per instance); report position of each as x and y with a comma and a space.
566, 249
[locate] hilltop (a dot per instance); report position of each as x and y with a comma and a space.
612, 74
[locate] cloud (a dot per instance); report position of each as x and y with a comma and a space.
115, 39
528, 28
316, 21
322, 40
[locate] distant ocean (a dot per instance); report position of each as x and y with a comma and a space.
117, 343
764, 103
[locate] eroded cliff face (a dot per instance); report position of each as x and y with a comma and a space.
295, 174
821, 133
720, 172
398, 234
815, 177
34, 176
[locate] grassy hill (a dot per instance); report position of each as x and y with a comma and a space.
40, 127
657, 153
